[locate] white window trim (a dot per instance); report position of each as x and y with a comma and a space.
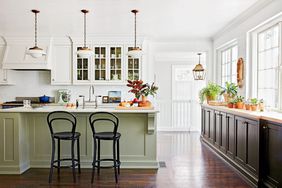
252, 57
219, 51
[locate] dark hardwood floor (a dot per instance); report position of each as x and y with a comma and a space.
185, 163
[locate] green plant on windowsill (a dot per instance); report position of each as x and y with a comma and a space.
254, 104
210, 92
229, 91
240, 102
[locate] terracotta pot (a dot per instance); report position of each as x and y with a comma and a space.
230, 105
254, 107
240, 105
248, 106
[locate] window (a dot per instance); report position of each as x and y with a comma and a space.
268, 74
229, 58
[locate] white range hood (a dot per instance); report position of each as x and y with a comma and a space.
16, 56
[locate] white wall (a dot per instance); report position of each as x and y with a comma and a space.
239, 28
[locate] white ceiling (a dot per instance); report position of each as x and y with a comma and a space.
157, 18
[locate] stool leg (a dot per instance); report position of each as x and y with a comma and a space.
118, 156
115, 160
98, 171
52, 160
72, 160
58, 156
78, 156
94, 160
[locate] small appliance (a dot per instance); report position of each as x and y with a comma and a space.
64, 96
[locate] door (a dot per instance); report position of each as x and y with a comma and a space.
177, 97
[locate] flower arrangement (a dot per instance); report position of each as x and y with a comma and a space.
138, 88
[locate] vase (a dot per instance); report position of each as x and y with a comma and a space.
144, 102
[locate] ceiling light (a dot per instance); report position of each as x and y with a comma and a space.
135, 52
199, 71
35, 51
85, 52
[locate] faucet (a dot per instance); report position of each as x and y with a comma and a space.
91, 92
83, 101
96, 101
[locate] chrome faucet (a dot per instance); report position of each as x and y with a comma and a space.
83, 101
91, 92
96, 100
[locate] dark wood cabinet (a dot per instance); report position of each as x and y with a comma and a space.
230, 137
217, 128
247, 144
208, 125
272, 154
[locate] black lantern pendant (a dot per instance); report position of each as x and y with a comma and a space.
199, 71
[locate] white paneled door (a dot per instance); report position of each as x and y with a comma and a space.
178, 100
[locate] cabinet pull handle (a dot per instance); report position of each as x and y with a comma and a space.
264, 127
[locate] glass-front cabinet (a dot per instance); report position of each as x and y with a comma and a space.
82, 69
133, 67
108, 65
100, 58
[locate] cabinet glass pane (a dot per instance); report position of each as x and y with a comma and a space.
103, 75
97, 75
136, 63
79, 74
130, 63
136, 75
79, 63
85, 75
85, 65
97, 64
112, 64
103, 64
130, 75
118, 64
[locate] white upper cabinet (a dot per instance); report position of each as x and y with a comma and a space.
15, 56
61, 73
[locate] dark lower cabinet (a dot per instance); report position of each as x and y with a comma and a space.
247, 143
208, 126
217, 128
230, 137
272, 154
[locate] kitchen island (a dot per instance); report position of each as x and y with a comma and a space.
25, 140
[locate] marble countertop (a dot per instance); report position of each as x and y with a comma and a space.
50, 108
270, 116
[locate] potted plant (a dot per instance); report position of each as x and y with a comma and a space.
232, 103
248, 105
229, 91
254, 104
145, 91
239, 102
210, 92
136, 87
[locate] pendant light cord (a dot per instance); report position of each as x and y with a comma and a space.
84, 30
199, 57
135, 30
35, 30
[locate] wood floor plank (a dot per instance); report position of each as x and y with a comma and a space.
186, 163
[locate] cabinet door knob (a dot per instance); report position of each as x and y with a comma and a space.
264, 127
5, 79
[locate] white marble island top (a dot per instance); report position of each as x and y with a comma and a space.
88, 109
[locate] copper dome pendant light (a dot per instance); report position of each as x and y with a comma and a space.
199, 71
85, 52
136, 52
35, 51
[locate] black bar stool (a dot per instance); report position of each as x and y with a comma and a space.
55, 119
103, 119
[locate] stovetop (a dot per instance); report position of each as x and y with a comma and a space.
14, 104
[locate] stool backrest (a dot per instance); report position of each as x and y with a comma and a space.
58, 116
96, 117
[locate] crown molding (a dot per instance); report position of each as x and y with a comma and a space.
243, 16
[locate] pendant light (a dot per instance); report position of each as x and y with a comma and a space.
136, 52
35, 51
199, 71
85, 52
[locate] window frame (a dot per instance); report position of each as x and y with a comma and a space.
227, 46
252, 46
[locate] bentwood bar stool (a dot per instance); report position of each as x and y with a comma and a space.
55, 120
105, 119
